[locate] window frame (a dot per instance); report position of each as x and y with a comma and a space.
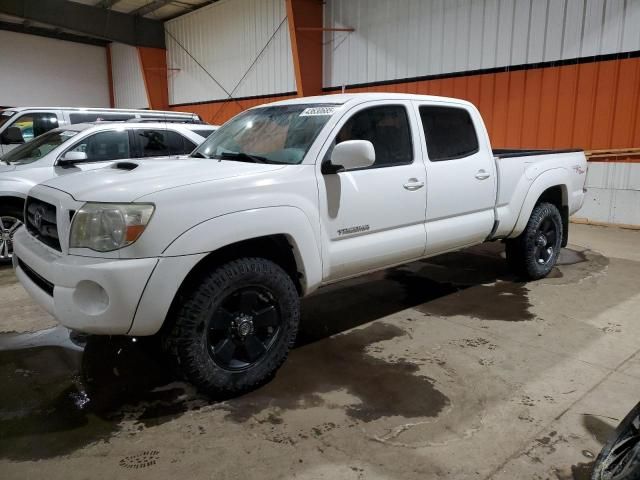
132, 152
362, 108
424, 133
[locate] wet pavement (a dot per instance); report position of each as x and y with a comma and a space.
444, 368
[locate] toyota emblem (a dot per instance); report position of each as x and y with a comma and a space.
37, 218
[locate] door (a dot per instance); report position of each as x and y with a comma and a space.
374, 217
30, 125
461, 179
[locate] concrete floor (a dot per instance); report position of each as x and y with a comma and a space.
445, 368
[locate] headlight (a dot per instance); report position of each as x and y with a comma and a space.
104, 227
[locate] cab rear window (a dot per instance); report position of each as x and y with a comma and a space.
449, 133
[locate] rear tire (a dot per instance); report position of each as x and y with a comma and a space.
235, 328
534, 253
10, 221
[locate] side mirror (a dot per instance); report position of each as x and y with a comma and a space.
350, 155
12, 136
70, 158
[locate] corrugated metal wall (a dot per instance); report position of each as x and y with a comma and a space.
544, 73
395, 39
128, 81
226, 38
38, 71
613, 193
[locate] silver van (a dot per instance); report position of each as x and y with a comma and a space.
23, 124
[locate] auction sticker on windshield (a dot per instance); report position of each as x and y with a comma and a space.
318, 111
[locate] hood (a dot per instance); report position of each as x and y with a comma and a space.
126, 181
6, 168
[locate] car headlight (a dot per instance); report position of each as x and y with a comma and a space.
105, 227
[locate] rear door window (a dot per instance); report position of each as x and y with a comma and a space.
105, 146
162, 143
179, 145
449, 133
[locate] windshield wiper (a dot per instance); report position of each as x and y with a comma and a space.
199, 155
243, 157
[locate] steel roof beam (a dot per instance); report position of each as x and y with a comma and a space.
89, 20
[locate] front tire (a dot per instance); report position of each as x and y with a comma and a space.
10, 221
534, 253
235, 328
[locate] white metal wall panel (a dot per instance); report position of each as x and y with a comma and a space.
38, 71
395, 39
613, 193
128, 80
226, 38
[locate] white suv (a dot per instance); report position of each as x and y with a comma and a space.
80, 147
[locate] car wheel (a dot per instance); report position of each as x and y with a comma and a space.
234, 330
535, 251
10, 221
619, 459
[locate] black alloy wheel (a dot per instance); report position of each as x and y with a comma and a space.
243, 328
545, 241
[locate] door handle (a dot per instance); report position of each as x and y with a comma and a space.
413, 184
482, 175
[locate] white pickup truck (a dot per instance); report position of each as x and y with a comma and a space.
213, 253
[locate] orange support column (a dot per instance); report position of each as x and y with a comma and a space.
154, 71
305, 30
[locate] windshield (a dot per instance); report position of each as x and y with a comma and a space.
38, 148
5, 116
278, 134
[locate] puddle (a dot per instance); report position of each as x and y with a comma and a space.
383, 388
504, 301
57, 399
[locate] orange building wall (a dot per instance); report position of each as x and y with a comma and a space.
590, 105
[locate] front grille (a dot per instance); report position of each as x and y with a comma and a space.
42, 223
44, 284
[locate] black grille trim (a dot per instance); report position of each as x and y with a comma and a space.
40, 281
42, 222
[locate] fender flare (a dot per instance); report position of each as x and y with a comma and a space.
548, 179
224, 230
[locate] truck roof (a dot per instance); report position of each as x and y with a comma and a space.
343, 98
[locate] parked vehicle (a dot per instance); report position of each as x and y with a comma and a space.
20, 125
620, 456
215, 255
82, 147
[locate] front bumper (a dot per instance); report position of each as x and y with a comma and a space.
91, 295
